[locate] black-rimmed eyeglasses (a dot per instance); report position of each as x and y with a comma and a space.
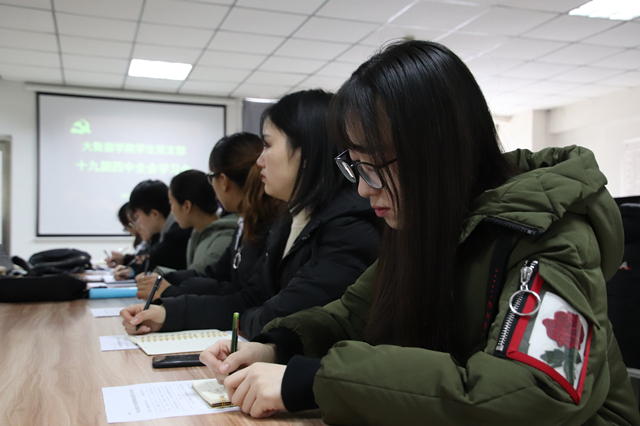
211, 176
370, 173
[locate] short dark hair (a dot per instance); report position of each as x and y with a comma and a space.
123, 215
419, 102
302, 117
150, 195
194, 186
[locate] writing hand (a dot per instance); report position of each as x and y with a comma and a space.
256, 389
122, 272
149, 320
220, 361
145, 284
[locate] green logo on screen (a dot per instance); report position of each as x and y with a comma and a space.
80, 127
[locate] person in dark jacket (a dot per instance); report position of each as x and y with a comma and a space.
149, 203
323, 242
623, 290
235, 177
487, 305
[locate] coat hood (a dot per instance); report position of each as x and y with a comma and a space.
553, 182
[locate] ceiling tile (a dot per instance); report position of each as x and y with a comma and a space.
104, 48
260, 91
219, 2
140, 83
338, 69
505, 21
550, 102
629, 59
334, 30
247, 43
173, 36
88, 63
203, 73
436, 15
579, 54
548, 87
357, 54
29, 57
516, 98
525, 49
28, 40
491, 87
586, 74
330, 84
472, 42
183, 13
207, 88
26, 19
40, 4
83, 78
571, 28
393, 33
167, 54
86, 26
32, 74
362, 10
628, 79
591, 91
303, 66
261, 22
537, 70
489, 65
231, 60
626, 34
117, 9
292, 6
563, 6
311, 49
274, 78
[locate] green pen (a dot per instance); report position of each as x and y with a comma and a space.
234, 332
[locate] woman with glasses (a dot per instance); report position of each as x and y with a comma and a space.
487, 305
235, 178
323, 241
128, 226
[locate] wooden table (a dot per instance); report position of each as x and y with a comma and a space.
52, 370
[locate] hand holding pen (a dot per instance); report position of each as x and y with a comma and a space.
150, 299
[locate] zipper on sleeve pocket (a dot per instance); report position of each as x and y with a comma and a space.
527, 274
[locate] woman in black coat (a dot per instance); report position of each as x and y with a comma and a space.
326, 239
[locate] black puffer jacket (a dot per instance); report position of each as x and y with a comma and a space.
331, 252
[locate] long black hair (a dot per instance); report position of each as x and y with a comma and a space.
302, 117
416, 101
193, 185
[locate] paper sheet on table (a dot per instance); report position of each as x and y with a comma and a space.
116, 343
106, 312
155, 401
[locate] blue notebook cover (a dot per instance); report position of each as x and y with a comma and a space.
110, 293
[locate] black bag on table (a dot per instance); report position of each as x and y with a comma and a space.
57, 285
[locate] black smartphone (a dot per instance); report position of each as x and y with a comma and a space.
174, 361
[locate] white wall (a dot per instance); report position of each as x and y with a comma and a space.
18, 120
600, 124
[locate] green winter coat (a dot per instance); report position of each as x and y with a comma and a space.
573, 228
206, 247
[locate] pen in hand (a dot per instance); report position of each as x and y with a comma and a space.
234, 332
153, 292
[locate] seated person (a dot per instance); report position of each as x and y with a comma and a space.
323, 241
429, 335
236, 179
194, 205
117, 257
150, 207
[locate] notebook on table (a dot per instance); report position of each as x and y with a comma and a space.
178, 342
212, 392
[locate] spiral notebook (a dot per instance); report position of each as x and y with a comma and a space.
212, 392
178, 342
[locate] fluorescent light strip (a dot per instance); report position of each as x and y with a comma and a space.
622, 10
261, 100
159, 69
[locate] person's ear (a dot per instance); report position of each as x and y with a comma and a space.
155, 214
187, 206
225, 182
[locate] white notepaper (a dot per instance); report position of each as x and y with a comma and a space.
155, 401
106, 312
116, 343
